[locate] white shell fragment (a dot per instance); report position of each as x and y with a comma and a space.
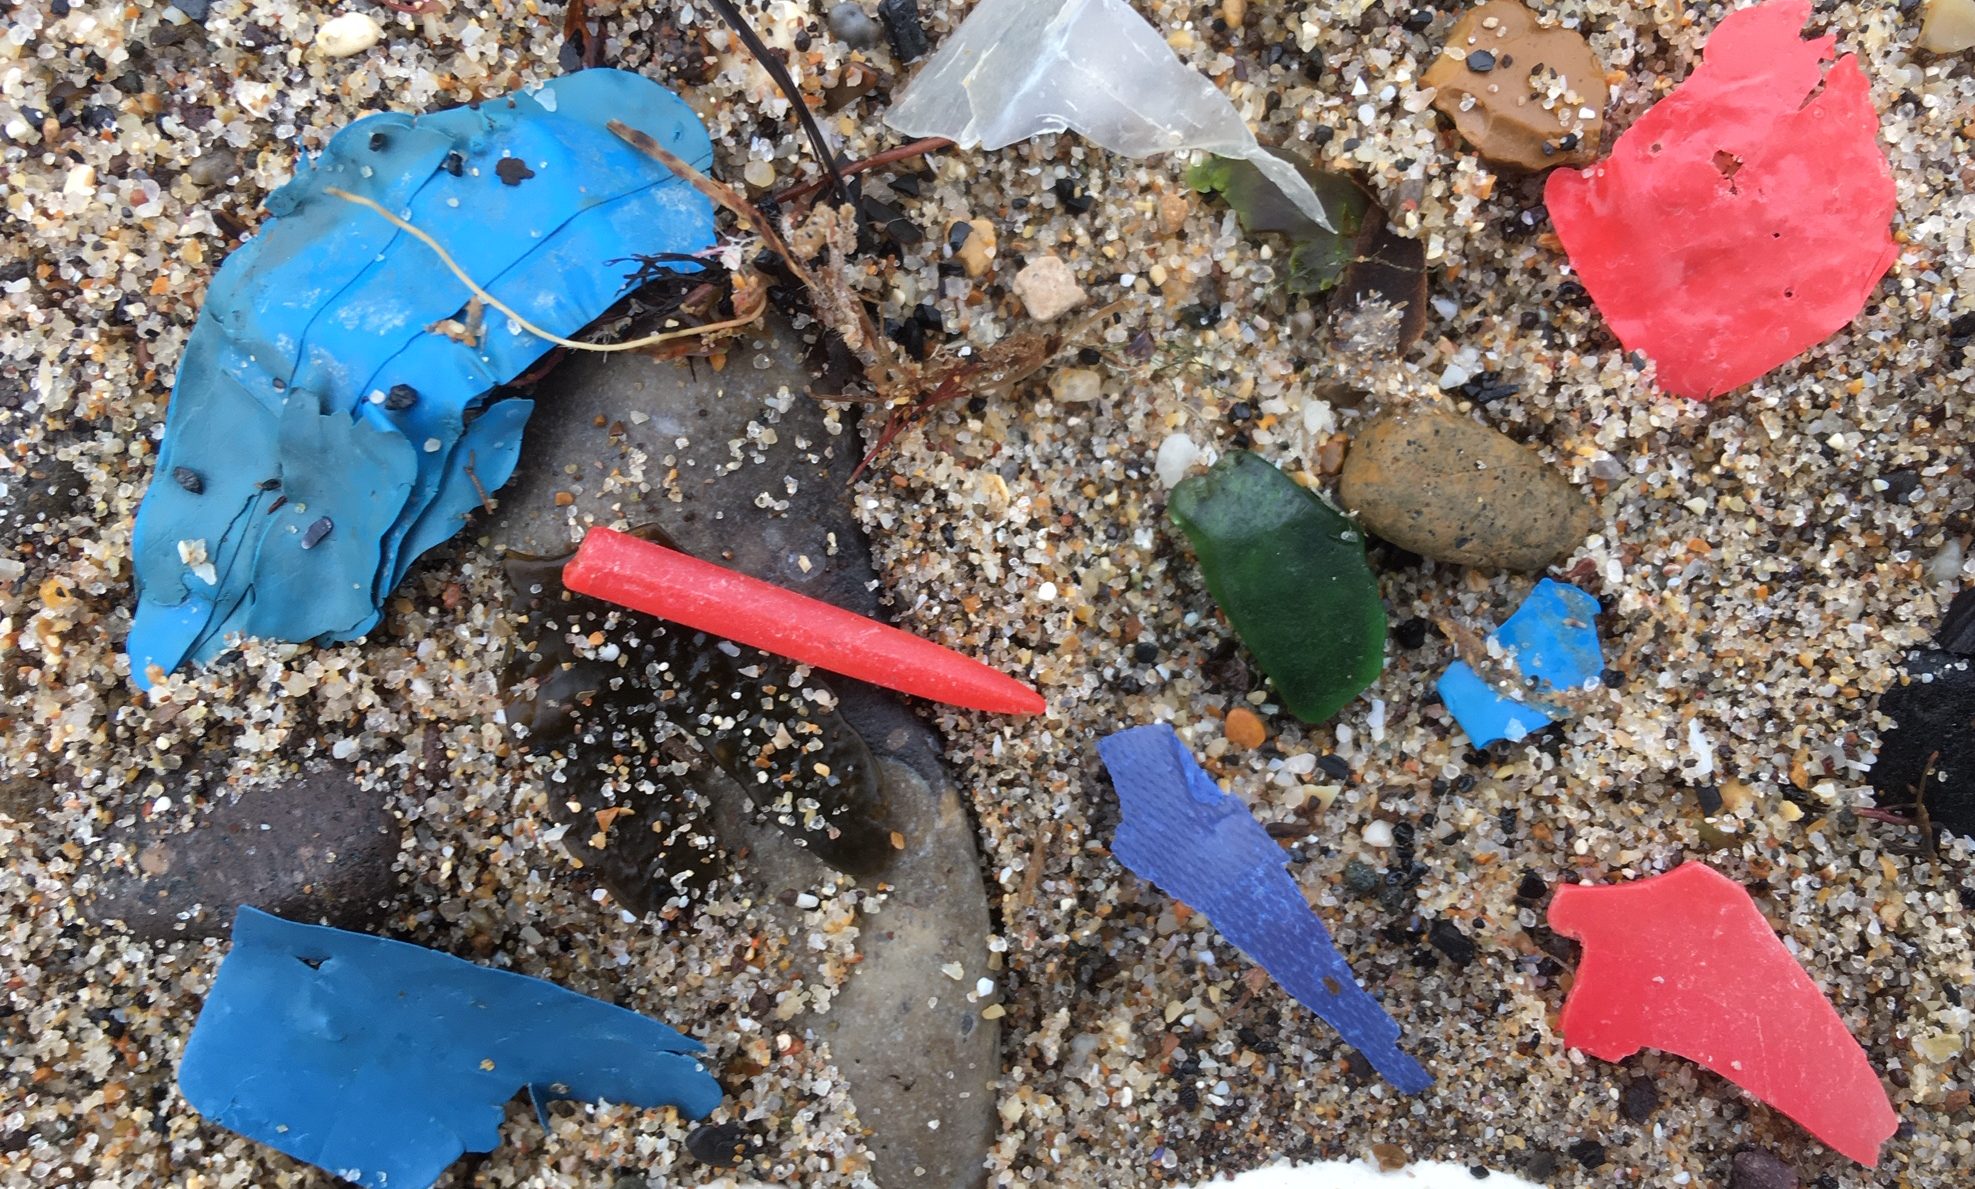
1021, 68
351, 33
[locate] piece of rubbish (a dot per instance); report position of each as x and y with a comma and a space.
1017, 69
1289, 571
1440, 484
1525, 95
382, 1062
1948, 27
1685, 963
1550, 645
646, 576
339, 371
1202, 847
908, 35
1743, 219
634, 819
1362, 260
1365, 1174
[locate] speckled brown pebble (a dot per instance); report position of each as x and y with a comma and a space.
1244, 729
1434, 482
1518, 92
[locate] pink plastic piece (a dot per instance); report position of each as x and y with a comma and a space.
1685, 963
1744, 219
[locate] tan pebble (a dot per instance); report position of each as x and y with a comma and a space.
1244, 729
1502, 112
351, 33
1949, 27
1434, 482
1076, 385
1390, 1157
976, 253
1173, 210
1234, 12
1048, 288
758, 174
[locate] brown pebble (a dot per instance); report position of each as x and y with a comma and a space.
1515, 112
1430, 480
1244, 728
1390, 1157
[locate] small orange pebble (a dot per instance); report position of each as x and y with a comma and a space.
1244, 728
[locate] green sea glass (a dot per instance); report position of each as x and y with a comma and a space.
1290, 573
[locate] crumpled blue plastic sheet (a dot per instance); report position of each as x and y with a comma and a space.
382, 1062
1553, 639
291, 455
1203, 848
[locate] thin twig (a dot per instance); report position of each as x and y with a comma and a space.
904, 152
486, 504
446, 259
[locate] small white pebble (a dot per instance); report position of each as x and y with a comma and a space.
954, 971
351, 33
1378, 834
1177, 454
805, 900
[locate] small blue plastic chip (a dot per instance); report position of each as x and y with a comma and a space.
321, 381
382, 1062
1553, 639
1204, 849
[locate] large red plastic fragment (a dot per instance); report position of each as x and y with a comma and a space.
1685, 963
1744, 219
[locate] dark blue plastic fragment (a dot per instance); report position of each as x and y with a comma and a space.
382, 1062
1204, 849
320, 380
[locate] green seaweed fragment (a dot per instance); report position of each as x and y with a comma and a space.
1290, 573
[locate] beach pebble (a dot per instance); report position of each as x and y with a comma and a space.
1048, 288
976, 251
1544, 107
1949, 27
1244, 729
850, 24
1076, 385
1176, 456
350, 33
1757, 1169
1432, 481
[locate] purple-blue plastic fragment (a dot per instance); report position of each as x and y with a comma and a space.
1204, 849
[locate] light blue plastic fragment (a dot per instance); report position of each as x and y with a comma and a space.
383, 1062
308, 325
1553, 640
1204, 849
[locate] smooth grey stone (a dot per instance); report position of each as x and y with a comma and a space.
319, 848
907, 1064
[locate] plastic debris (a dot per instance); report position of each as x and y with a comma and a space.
1290, 573
1746, 217
1202, 847
383, 1062
1022, 68
1685, 963
1926, 762
646, 576
340, 374
1552, 641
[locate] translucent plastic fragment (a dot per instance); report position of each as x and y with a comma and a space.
1552, 640
1204, 849
1022, 68
1746, 217
1685, 963
336, 411
382, 1062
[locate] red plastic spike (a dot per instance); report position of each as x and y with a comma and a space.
1685, 963
648, 577
1745, 218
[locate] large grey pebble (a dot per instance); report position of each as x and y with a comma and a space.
1432, 481
761, 488
320, 847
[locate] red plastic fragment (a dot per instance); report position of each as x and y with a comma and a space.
1685, 963
648, 577
1744, 219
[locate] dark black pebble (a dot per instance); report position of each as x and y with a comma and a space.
400, 398
1710, 798
908, 36
513, 170
1359, 877
1757, 1169
196, 9
189, 479
1588, 1152
850, 24
454, 163
1447, 937
1481, 61
1957, 634
722, 1145
1639, 1100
